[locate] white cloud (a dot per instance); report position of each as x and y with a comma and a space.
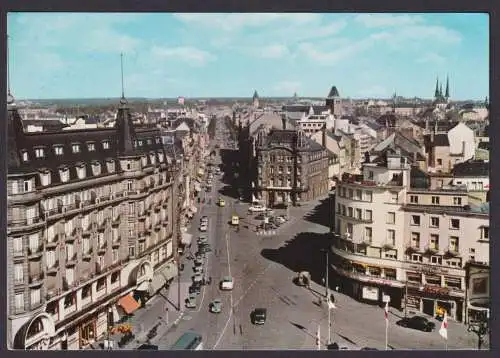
273, 51
431, 57
387, 20
432, 32
286, 87
191, 55
231, 22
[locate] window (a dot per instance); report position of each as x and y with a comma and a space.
391, 218
18, 273
457, 200
358, 213
101, 284
439, 162
433, 280
415, 239
86, 245
415, 220
436, 260
19, 301
45, 178
453, 245
391, 237
413, 277
368, 215
115, 256
414, 199
35, 297
370, 175
50, 257
27, 186
59, 150
434, 242
76, 148
64, 174
130, 185
39, 153
434, 221
359, 194
105, 144
18, 245
368, 196
486, 233
455, 224
115, 276
394, 197
350, 191
81, 171
349, 212
435, 200
453, 282
25, 156
416, 258
368, 234
96, 168
131, 251
86, 291
91, 147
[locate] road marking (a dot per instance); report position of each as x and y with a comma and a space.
253, 284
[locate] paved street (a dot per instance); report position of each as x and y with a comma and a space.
263, 268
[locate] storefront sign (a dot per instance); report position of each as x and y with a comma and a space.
436, 290
370, 293
429, 270
367, 279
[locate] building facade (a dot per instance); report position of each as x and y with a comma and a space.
90, 229
396, 237
291, 168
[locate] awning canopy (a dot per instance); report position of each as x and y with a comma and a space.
128, 304
170, 271
143, 286
186, 239
162, 277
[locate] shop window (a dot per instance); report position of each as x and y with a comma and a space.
390, 274
413, 277
87, 333
433, 280
101, 284
453, 282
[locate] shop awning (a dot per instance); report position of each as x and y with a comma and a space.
156, 283
143, 286
186, 239
128, 304
170, 271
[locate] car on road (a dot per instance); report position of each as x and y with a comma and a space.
222, 202
197, 278
202, 240
198, 269
204, 249
204, 219
417, 322
191, 302
203, 228
259, 316
195, 289
216, 306
227, 283
235, 220
257, 208
148, 347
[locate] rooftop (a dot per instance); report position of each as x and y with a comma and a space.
472, 168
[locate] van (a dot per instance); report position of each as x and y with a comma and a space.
227, 283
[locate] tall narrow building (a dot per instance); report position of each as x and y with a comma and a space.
334, 102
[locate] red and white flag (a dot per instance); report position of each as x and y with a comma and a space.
443, 331
386, 312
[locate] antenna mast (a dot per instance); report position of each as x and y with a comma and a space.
121, 63
8, 67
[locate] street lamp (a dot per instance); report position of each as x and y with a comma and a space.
480, 328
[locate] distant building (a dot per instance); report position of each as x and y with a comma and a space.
255, 100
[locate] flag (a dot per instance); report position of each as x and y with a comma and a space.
331, 302
386, 312
443, 331
318, 338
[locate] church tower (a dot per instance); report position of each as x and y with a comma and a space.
447, 91
255, 100
334, 102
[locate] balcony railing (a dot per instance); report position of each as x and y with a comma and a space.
412, 248
35, 251
431, 249
388, 244
36, 279
452, 251
53, 269
24, 222
87, 255
71, 260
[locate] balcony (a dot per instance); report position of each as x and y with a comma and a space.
164, 224
411, 249
87, 256
142, 237
36, 279
452, 251
388, 245
35, 252
431, 249
25, 222
71, 261
116, 221
70, 238
102, 248
52, 270
51, 244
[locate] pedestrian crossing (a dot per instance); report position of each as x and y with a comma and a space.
266, 233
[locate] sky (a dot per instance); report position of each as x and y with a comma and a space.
166, 55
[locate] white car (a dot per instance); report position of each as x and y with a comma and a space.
198, 269
203, 228
257, 208
227, 283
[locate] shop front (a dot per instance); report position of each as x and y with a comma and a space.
434, 301
368, 283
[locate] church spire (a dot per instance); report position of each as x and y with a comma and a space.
447, 93
123, 101
440, 90
436, 92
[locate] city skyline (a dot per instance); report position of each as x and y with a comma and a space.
77, 55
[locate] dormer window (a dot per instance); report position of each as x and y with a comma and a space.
110, 164
105, 144
25, 156
81, 170
75, 148
58, 150
45, 177
96, 168
91, 147
64, 174
39, 153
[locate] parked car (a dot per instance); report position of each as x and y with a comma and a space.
198, 269
259, 316
203, 228
195, 289
418, 322
216, 306
148, 347
198, 262
222, 202
190, 302
204, 219
202, 240
227, 283
257, 208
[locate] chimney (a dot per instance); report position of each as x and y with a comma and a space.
323, 136
283, 122
463, 148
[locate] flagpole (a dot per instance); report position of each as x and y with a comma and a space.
318, 338
386, 334
329, 325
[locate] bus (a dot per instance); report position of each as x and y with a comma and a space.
189, 341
